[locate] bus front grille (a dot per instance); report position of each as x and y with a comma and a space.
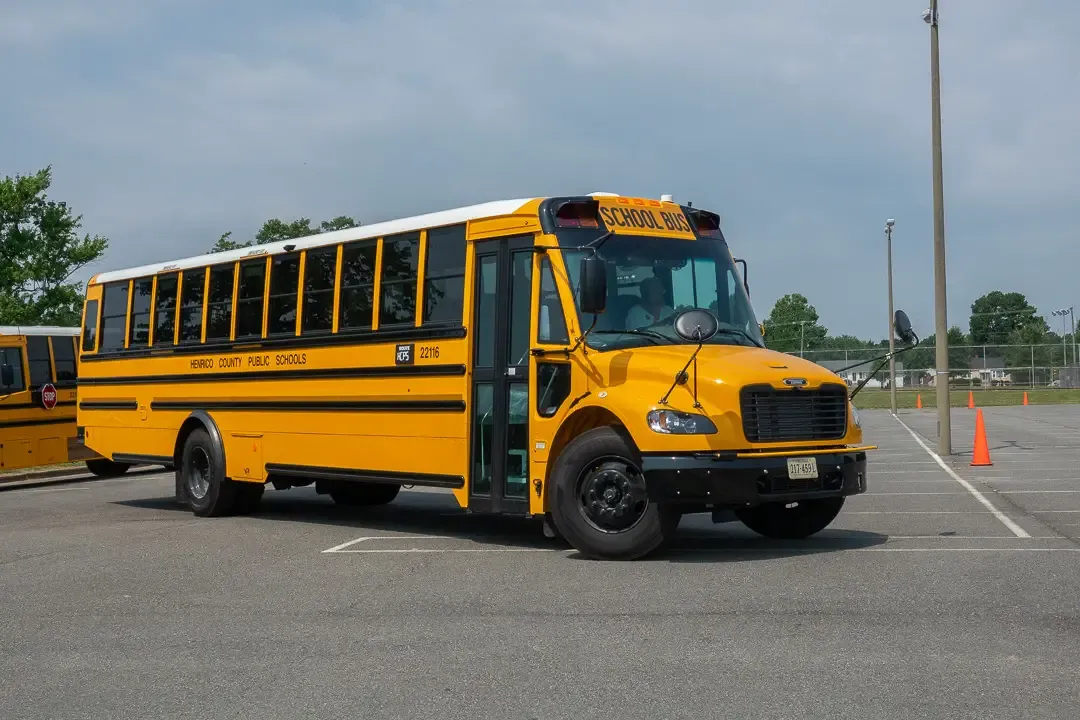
771, 415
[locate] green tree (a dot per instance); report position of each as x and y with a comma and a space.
924, 356
793, 324
996, 315
1033, 350
275, 230
40, 250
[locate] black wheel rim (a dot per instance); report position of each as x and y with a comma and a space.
198, 473
611, 494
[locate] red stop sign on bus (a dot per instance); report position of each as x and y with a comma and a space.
48, 396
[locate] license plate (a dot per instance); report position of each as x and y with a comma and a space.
802, 468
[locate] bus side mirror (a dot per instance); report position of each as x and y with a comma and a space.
7, 375
592, 285
761, 329
903, 328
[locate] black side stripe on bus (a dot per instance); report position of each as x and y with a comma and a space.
377, 337
379, 476
29, 423
33, 405
387, 371
109, 405
142, 459
313, 406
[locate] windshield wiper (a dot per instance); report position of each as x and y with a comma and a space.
651, 334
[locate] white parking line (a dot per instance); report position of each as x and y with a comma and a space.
342, 546
1005, 520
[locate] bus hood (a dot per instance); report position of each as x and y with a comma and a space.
722, 370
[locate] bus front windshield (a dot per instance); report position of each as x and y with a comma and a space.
651, 280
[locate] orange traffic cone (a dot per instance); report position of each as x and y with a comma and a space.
971, 400
918, 401
1025, 397
981, 454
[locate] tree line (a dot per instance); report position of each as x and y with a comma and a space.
1004, 323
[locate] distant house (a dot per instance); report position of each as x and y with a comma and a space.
855, 375
989, 370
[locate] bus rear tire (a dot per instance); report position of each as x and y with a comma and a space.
600, 504
774, 520
205, 488
103, 467
355, 494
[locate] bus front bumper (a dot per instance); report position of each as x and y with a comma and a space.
708, 479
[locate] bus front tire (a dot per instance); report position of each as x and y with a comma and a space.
103, 467
600, 502
808, 517
206, 489
353, 494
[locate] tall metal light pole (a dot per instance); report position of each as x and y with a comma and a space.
1065, 332
941, 324
892, 341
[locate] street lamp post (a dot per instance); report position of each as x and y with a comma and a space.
892, 341
1065, 332
941, 324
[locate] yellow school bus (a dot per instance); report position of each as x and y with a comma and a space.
38, 373
590, 361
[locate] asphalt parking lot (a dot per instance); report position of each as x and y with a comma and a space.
940, 593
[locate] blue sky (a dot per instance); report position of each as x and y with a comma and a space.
804, 123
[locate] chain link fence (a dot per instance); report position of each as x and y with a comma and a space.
970, 366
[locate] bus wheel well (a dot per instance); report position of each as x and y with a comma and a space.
581, 421
198, 419
181, 437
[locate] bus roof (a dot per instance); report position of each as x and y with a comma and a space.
364, 232
38, 330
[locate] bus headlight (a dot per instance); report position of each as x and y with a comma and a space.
673, 422
855, 416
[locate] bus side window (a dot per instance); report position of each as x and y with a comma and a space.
357, 304
219, 304
553, 387
114, 315
192, 289
11, 370
284, 283
141, 297
551, 325
320, 268
64, 359
89, 328
249, 302
165, 310
444, 275
37, 355
397, 296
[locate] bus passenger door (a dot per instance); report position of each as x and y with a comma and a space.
502, 289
